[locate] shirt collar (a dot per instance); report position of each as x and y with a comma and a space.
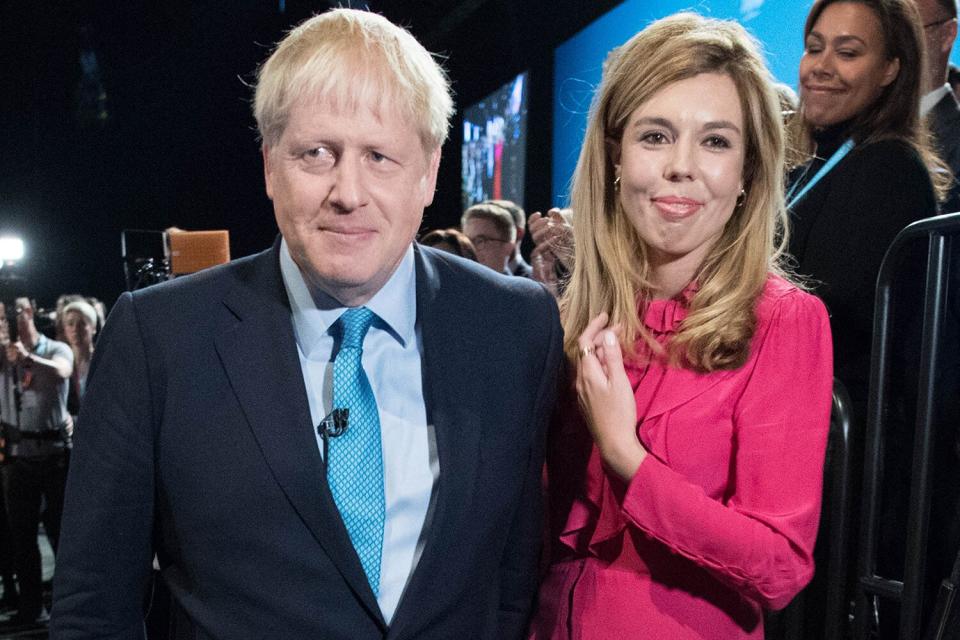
314, 312
929, 101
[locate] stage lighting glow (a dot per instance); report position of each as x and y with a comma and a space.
11, 249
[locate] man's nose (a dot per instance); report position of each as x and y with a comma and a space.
348, 191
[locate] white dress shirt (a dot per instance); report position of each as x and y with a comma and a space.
392, 352
930, 100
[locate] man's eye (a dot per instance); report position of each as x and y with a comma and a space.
318, 155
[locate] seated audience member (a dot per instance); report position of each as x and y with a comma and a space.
685, 472
516, 264
491, 229
451, 241
939, 104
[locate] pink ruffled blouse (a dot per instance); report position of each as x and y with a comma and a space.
721, 518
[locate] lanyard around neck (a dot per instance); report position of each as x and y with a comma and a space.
837, 156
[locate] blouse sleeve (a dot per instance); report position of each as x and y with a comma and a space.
759, 539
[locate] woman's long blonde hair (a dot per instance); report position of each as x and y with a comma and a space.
611, 264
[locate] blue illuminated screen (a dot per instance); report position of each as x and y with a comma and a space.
494, 151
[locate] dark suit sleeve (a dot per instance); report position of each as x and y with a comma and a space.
104, 559
519, 565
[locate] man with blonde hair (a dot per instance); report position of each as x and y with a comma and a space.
319, 441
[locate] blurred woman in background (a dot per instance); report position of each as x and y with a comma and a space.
79, 323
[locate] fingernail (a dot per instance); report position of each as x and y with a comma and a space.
609, 339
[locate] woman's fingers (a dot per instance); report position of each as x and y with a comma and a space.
610, 354
591, 372
587, 339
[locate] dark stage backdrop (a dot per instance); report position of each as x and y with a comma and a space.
136, 114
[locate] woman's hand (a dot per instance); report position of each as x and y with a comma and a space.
607, 399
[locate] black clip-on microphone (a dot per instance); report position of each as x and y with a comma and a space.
333, 425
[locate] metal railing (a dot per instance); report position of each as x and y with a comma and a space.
832, 537
939, 232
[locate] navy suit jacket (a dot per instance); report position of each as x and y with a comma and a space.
195, 443
944, 121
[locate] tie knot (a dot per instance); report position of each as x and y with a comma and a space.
354, 324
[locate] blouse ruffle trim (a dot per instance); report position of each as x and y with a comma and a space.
598, 505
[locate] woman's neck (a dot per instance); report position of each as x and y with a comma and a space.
671, 273
671, 277
828, 139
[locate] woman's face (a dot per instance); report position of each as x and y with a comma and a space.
76, 329
681, 168
844, 67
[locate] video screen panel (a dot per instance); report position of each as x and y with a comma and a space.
495, 145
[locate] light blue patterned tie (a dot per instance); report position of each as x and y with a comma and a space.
355, 459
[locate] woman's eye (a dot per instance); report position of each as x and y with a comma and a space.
653, 137
718, 142
847, 53
378, 157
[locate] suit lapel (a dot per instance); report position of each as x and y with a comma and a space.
458, 440
259, 354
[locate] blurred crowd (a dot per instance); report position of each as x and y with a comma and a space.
43, 375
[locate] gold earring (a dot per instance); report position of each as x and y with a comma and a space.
616, 183
741, 198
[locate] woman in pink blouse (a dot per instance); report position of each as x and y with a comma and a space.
685, 473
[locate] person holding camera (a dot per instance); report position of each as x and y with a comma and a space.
33, 411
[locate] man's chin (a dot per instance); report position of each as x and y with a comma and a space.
349, 286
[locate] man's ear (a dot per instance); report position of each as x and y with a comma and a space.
430, 179
267, 170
